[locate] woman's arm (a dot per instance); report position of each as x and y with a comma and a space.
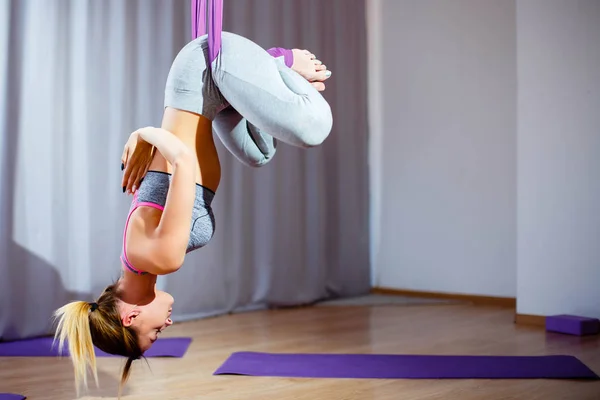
164, 249
169, 145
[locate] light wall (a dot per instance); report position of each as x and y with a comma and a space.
443, 145
485, 150
558, 157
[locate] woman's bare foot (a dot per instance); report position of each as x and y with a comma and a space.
313, 70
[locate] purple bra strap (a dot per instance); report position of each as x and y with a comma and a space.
215, 24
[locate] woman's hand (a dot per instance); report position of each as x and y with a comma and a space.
311, 69
136, 159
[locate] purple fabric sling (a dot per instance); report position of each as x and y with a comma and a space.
215, 24
214, 10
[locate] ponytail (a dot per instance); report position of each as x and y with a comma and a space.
125, 374
88, 325
74, 327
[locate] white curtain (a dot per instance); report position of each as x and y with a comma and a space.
76, 77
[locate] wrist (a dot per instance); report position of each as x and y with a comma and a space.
151, 135
142, 141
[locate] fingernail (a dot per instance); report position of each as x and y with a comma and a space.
122, 166
123, 189
328, 73
133, 189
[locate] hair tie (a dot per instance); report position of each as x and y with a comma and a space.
94, 306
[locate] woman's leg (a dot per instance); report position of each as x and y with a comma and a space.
244, 140
271, 96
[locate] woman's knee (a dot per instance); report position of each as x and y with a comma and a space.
312, 128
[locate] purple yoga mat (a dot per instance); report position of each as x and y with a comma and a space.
387, 366
42, 347
11, 396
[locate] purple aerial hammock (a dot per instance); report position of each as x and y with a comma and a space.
214, 10
210, 13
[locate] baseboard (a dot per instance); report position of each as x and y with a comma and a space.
532, 320
508, 302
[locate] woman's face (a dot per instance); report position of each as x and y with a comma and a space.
152, 318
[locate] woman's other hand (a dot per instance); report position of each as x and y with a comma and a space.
135, 161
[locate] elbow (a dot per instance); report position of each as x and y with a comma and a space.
168, 252
170, 266
169, 262
185, 159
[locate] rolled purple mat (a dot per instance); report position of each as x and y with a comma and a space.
43, 347
12, 396
572, 325
393, 366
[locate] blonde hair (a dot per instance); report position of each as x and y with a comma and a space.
84, 325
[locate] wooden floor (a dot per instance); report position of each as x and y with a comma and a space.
416, 329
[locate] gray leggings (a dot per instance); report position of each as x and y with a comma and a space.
252, 98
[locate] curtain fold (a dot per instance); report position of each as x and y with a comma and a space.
77, 77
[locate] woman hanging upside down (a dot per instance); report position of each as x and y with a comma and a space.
251, 98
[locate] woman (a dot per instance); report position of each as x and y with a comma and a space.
171, 213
